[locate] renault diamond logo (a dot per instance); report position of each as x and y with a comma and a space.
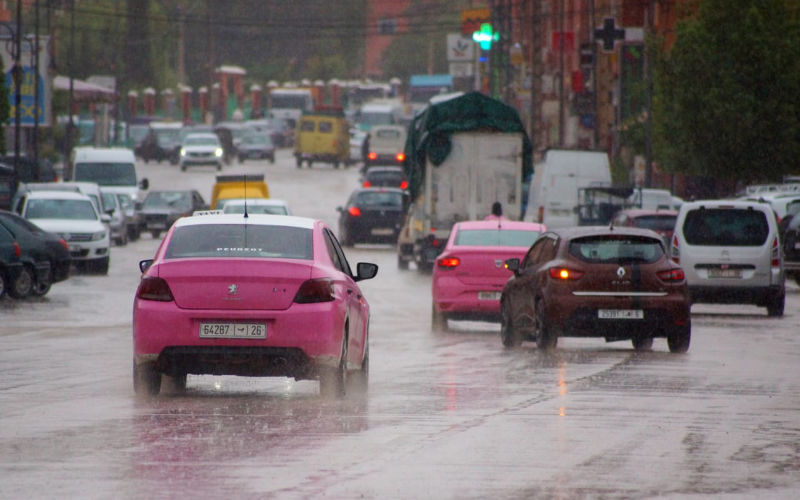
620, 272
232, 289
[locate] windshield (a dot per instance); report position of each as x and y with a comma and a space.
137, 132
290, 101
200, 141
496, 238
240, 240
179, 200
60, 209
376, 118
167, 135
106, 174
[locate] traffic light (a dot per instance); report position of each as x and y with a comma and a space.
485, 36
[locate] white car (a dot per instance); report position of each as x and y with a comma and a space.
257, 206
201, 149
73, 217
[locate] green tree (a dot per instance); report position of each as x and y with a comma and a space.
726, 95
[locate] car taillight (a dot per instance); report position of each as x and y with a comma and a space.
400, 157
372, 155
315, 290
449, 262
540, 214
404, 185
354, 211
63, 243
776, 253
367, 184
673, 250
562, 273
154, 288
672, 275
17, 249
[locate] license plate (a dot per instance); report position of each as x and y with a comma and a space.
382, 232
620, 314
157, 225
74, 248
233, 330
797, 245
253, 154
488, 295
724, 273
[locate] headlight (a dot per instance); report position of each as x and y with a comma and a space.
218, 152
99, 235
183, 152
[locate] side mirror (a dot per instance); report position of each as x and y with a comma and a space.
105, 218
144, 265
144, 184
365, 271
513, 265
339, 209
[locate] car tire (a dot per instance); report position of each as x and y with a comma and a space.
776, 303
546, 336
642, 343
146, 380
508, 334
336, 164
219, 167
679, 338
22, 286
438, 320
101, 266
797, 279
133, 233
41, 287
299, 162
241, 159
3, 283
402, 263
333, 381
272, 159
358, 381
174, 384
155, 233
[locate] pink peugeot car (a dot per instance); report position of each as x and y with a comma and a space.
251, 295
469, 275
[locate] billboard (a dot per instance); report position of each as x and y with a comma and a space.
29, 81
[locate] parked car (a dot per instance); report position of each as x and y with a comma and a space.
385, 177
791, 247
731, 253
264, 296
8, 185
132, 218
201, 149
357, 138
257, 206
470, 273
18, 271
386, 145
660, 221
162, 142
371, 215
43, 246
161, 209
256, 146
612, 283
72, 216
118, 225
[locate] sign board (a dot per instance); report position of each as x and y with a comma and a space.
461, 69
471, 20
460, 48
29, 81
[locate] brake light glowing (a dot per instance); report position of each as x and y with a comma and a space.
354, 211
449, 262
672, 275
673, 250
315, 290
776, 253
367, 184
154, 288
372, 155
17, 249
562, 273
404, 185
400, 157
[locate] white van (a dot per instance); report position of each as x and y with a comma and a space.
114, 169
654, 199
553, 194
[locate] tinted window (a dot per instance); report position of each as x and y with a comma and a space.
325, 127
388, 134
307, 126
494, 237
106, 174
179, 200
656, 222
382, 199
726, 227
617, 249
235, 208
240, 240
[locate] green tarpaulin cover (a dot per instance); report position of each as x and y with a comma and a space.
430, 131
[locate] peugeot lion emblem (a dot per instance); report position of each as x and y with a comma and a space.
232, 289
620, 272
498, 263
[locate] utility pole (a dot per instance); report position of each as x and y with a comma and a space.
36, 107
561, 64
17, 76
648, 68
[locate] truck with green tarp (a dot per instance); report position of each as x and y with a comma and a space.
462, 155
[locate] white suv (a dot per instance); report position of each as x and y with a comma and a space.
73, 217
731, 254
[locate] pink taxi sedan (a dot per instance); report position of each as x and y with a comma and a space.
251, 295
469, 275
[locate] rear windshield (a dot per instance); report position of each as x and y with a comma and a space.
616, 249
385, 176
240, 240
656, 222
496, 238
106, 174
733, 227
387, 134
380, 199
178, 200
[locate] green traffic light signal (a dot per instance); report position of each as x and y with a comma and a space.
485, 36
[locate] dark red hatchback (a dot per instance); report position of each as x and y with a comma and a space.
616, 283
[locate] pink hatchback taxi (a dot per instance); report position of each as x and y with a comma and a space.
251, 295
470, 273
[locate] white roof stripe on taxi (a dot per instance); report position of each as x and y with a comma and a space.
252, 219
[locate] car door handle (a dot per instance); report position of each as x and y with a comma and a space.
349, 291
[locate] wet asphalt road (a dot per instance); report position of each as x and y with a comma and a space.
447, 415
